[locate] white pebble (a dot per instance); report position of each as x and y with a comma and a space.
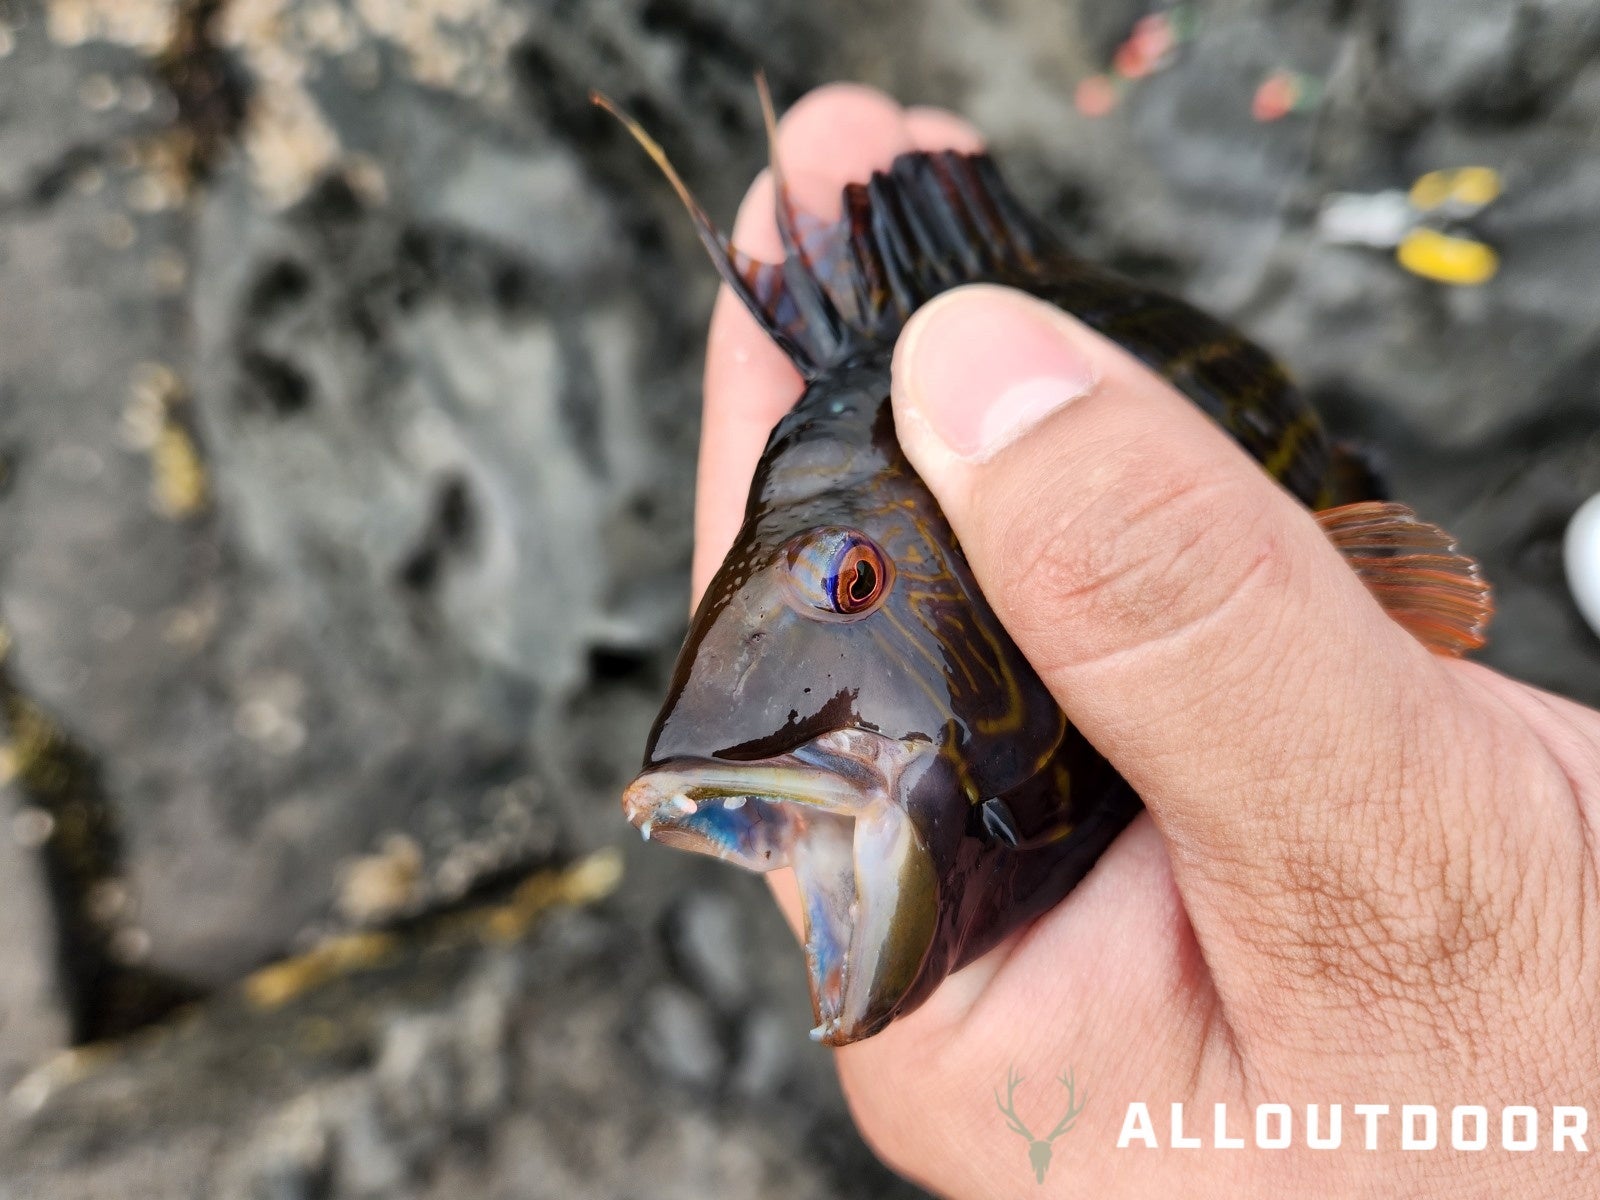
1583, 560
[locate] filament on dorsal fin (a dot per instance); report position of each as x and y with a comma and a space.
759, 285
935, 220
812, 244
788, 230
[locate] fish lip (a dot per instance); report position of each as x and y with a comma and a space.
843, 771
832, 808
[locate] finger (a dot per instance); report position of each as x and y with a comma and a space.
1116, 955
936, 129
1187, 612
835, 135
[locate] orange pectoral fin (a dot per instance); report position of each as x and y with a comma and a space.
1415, 571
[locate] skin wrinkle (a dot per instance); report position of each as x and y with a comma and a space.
1533, 709
1383, 940
1245, 871
1428, 925
1280, 762
1111, 577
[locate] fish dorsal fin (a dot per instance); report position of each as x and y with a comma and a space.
933, 221
1416, 571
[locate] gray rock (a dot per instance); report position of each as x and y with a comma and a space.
679, 1036
33, 1024
769, 1042
1454, 54
461, 1064
706, 937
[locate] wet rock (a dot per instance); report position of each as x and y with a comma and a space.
705, 936
461, 1064
768, 1044
290, 1159
33, 1023
679, 1036
1491, 62
1456, 56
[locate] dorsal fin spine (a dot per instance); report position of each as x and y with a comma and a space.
933, 221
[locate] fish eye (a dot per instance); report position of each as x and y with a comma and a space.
841, 572
856, 585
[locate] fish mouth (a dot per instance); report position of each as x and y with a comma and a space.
832, 810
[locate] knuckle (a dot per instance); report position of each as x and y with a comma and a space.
1153, 552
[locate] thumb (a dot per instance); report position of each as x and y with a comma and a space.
1185, 610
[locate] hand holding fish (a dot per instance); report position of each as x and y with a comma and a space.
1365, 872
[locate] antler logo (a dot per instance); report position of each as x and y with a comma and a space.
1039, 1149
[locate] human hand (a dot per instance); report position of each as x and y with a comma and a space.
1367, 875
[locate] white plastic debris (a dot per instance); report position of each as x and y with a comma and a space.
1378, 219
1583, 560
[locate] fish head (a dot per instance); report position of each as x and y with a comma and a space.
844, 701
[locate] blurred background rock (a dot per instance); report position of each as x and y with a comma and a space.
348, 379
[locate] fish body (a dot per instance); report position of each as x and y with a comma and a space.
846, 702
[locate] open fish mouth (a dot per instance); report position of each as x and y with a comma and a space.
831, 809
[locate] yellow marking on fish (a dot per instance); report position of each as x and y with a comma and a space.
1205, 352
918, 677
1288, 445
1064, 783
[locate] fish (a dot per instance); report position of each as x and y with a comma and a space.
846, 702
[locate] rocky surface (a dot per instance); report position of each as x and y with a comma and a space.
348, 368
511, 1049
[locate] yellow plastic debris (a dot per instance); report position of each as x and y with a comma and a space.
1443, 258
1469, 187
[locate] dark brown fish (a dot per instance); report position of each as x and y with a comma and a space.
847, 702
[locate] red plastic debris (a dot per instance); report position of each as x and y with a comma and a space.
1279, 95
1095, 96
1147, 47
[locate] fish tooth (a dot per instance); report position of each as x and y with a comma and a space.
644, 830
820, 1032
734, 803
684, 805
